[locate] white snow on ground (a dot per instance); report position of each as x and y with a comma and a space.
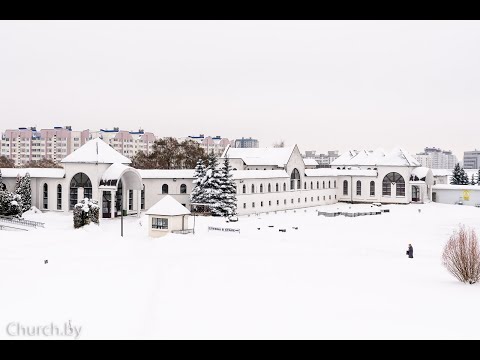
332, 278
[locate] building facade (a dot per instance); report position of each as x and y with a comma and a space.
246, 143
323, 160
217, 144
435, 158
27, 144
267, 180
471, 159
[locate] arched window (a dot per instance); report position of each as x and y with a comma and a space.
142, 199
164, 189
311, 185
261, 188
284, 186
183, 189
318, 184
334, 184
372, 188
269, 187
391, 179
359, 188
305, 185
295, 177
323, 185
253, 189
329, 184
79, 181
345, 187
45, 196
276, 187
59, 197
244, 189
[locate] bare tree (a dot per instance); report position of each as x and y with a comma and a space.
279, 144
461, 255
43, 163
6, 162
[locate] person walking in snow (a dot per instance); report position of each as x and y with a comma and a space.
410, 251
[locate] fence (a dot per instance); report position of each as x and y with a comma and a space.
29, 223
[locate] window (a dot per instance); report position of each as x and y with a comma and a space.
324, 198
269, 203
253, 189
335, 197
335, 184
45, 196
329, 186
359, 188
329, 197
318, 198
323, 185
292, 201
244, 189
244, 205
372, 188
305, 185
164, 189
278, 202
285, 202
311, 185
59, 197
393, 179
261, 203
142, 198
312, 199
318, 184
261, 188
345, 187
276, 187
80, 180
159, 223
295, 176
253, 204
284, 187
269, 188
130, 199
299, 200
183, 189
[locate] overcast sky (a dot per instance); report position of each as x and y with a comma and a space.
322, 85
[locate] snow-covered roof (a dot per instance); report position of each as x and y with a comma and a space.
397, 157
129, 175
167, 174
96, 151
336, 172
259, 174
260, 156
310, 162
168, 206
455, 187
442, 172
421, 172
50, 173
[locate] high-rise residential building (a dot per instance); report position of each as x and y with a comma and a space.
217, 144
29, 144
246, 143
471, 159
436, 158
323, 160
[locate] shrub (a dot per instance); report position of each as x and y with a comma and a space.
10, 204
461, 255
85, 212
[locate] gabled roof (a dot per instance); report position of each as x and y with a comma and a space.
260, 156
397, 157
310, 162
168, 206
96, 152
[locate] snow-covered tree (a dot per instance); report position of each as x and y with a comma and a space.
3, 187
459, 177
24, 189
10, 204
228, 190
198, 195
211, 186
473, 182
85, 212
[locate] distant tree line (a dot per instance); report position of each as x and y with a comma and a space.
43, 163
169, 153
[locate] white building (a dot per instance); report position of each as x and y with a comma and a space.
267, 180
166, 216
217, 144
435, 158
457, 194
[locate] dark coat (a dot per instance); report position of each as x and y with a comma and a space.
410, 252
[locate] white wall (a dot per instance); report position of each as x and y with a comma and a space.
453, 195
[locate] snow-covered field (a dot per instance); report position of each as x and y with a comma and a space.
332, 278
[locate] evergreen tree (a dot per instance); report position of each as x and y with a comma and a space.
10, 204
198, 195
473, 182
3, 187
459, 177
211, 186
24, 189
228, 189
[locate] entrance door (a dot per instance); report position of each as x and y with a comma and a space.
415, 193
106, 205
434, 197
